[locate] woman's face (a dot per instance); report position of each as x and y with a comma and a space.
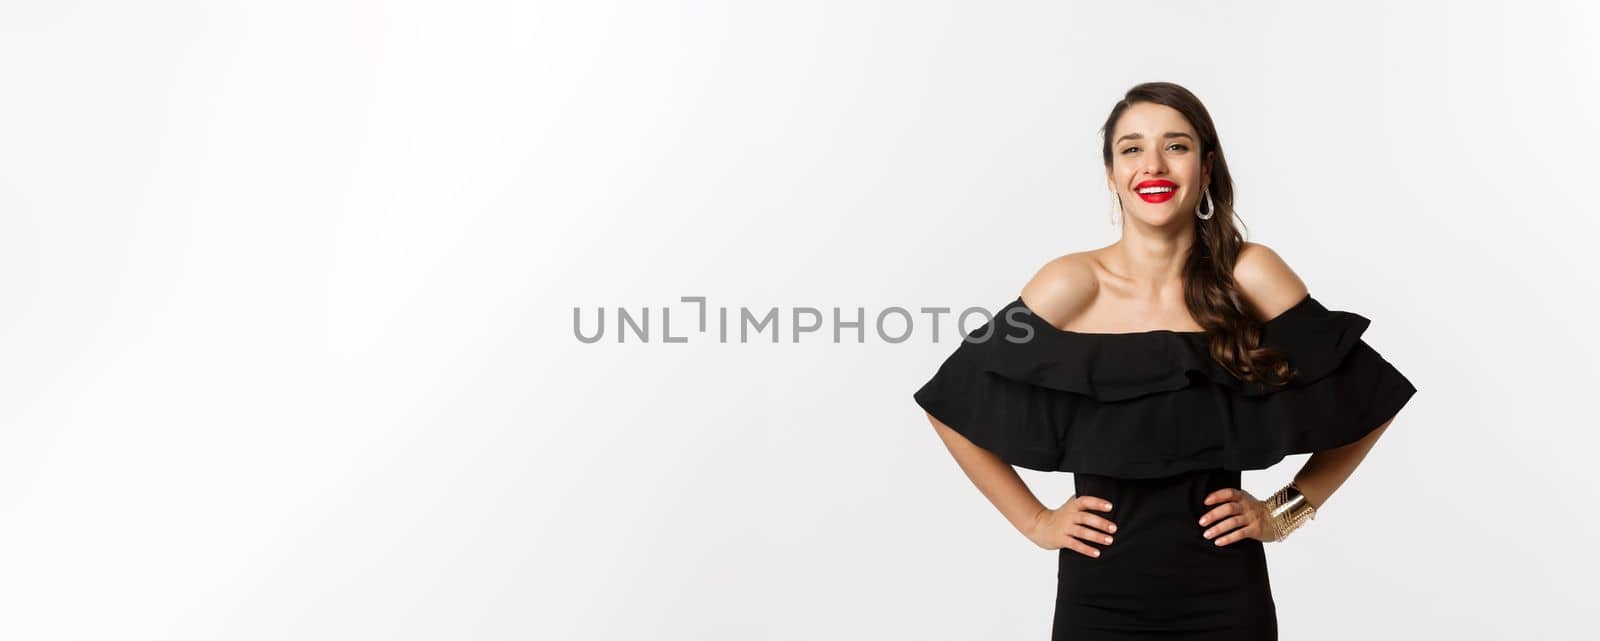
1154, 149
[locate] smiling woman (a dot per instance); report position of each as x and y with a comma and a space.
1156, 370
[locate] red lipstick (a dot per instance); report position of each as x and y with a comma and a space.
1164, 191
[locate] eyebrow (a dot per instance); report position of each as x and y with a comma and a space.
1170, 134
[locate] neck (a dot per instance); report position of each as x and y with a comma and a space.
1149, 260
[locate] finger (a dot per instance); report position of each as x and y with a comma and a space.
1222, 511
1080, 548
1093, 521
1090, 535
1238, 535
1094, 503
1225, 526
1224, 494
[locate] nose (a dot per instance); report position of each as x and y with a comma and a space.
1154, 164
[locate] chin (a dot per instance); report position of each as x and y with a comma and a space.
1161, 219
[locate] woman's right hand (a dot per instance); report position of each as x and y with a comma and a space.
1071, 525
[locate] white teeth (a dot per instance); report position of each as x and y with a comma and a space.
1155, 190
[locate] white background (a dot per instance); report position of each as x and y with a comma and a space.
287, 346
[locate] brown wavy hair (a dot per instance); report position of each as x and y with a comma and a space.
1208, 288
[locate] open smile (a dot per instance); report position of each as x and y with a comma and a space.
1156, 191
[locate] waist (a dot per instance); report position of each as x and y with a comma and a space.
1159, 544
1138, 504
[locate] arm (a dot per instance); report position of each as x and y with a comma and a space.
1325, 471
1271, 287
1056, 292
997, 480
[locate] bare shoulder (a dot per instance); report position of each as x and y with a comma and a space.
1062, 288
1266, 281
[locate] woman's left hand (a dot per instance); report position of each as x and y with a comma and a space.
1237, 515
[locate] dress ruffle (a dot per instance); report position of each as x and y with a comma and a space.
1154, 403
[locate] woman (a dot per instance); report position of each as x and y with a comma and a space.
1156, 369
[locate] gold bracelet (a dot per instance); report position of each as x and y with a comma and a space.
1288, 509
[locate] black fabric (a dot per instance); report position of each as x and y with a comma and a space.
1153, 404
1149, 421
1159, 578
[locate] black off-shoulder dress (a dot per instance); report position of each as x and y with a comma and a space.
1150, 422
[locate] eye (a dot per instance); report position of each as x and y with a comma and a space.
1129, 149
1180, 146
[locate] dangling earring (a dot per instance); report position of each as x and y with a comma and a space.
1116, 208
1211, 207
